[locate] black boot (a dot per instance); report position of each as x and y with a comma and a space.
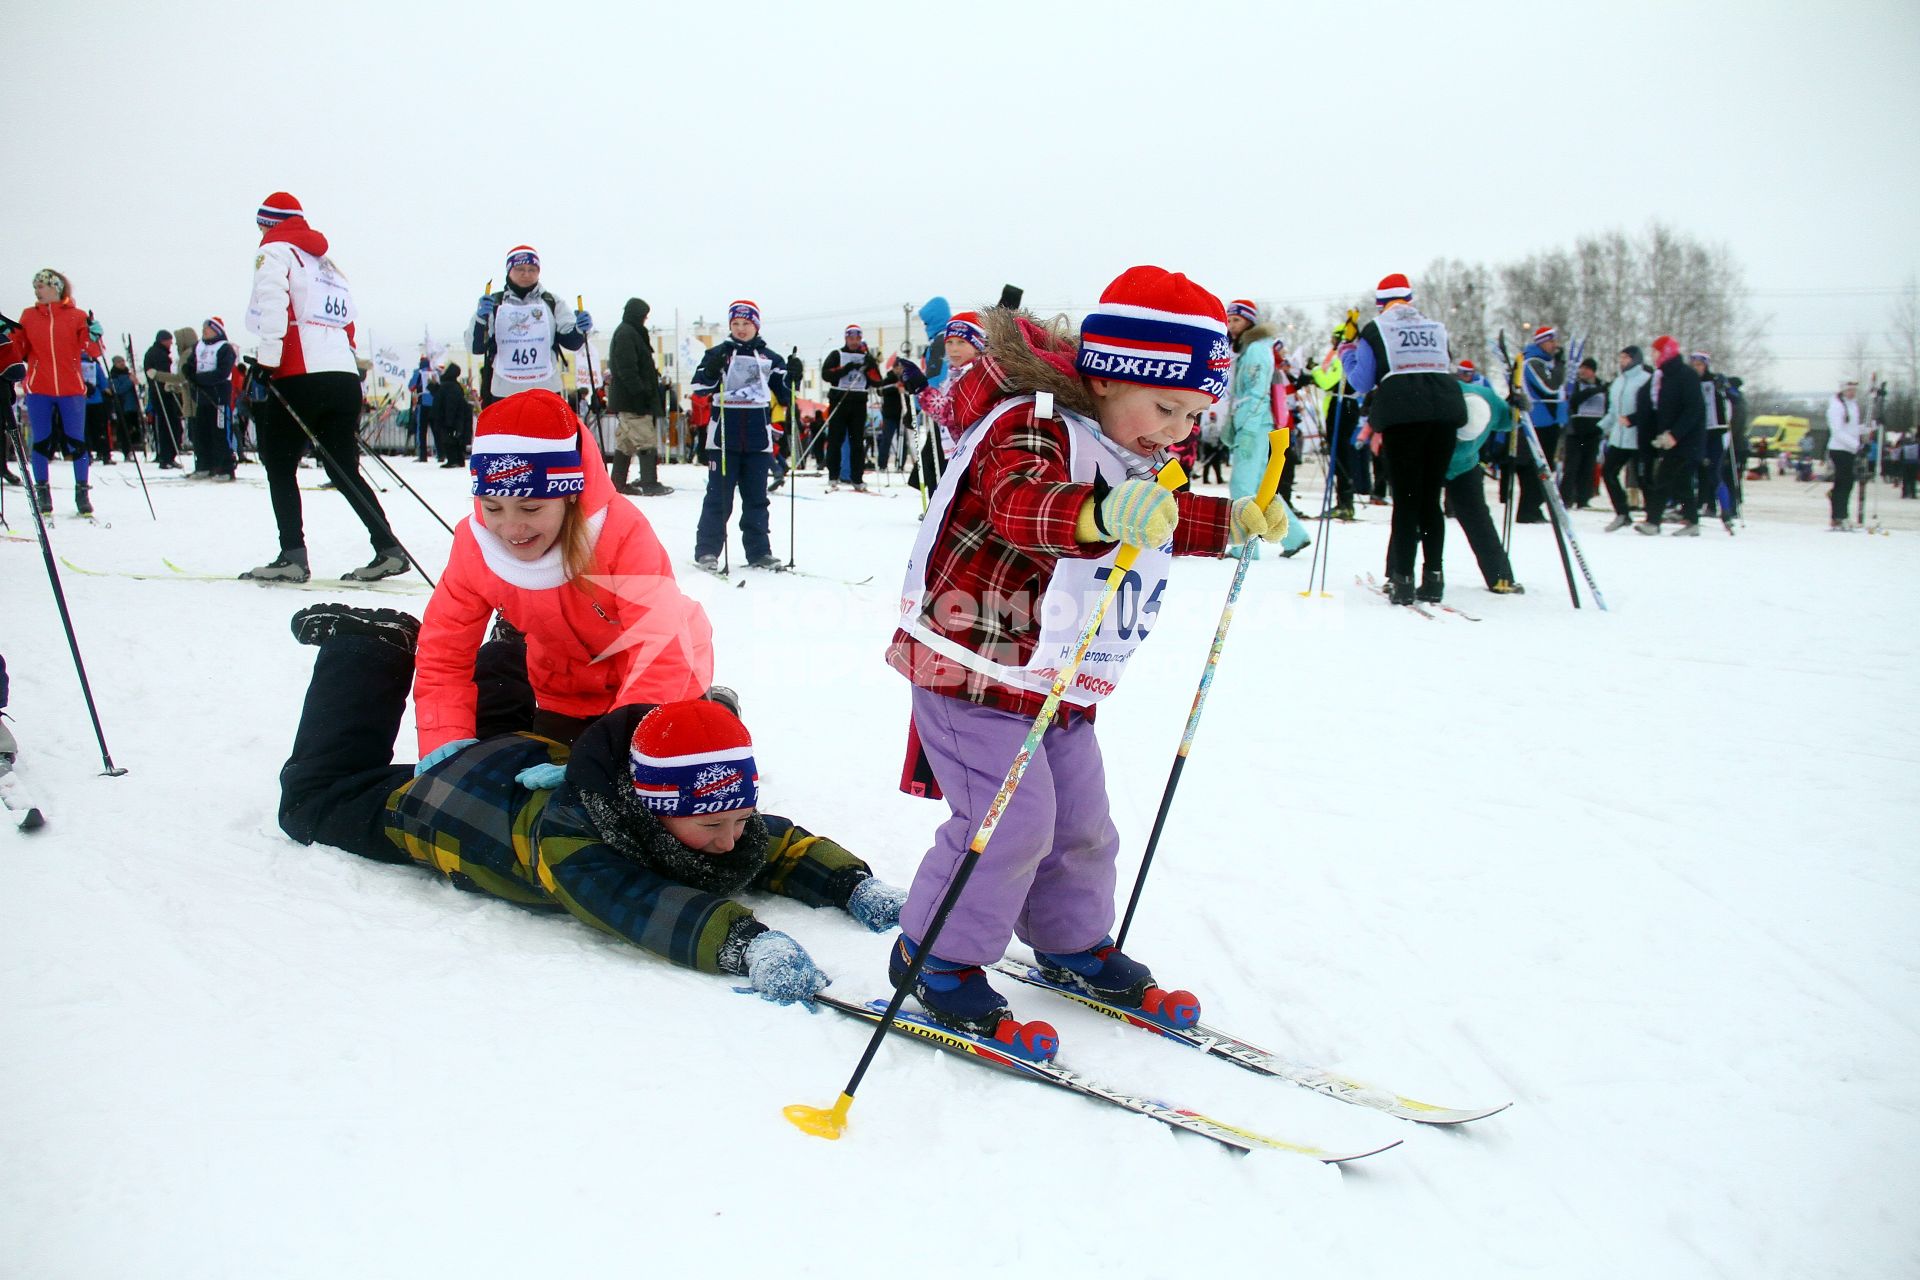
318, 623
83, 499
1432, 585
622, 465
43, 498
650, 475
1399, 588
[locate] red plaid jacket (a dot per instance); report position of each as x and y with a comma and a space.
1011, 521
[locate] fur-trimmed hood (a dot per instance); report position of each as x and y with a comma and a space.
1265, 331
1024, 355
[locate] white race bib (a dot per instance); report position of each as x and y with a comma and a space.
853, 371
523, 342
206, 356
1068, 594
329, 300
746, 380
1414, 343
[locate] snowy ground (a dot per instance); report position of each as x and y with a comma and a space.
1650, 874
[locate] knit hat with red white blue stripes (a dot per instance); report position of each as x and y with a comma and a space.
216, 324
276, 209
742, 309
1544, 332
523, 255
854, 333
527, 446
1393, 288
967, 325
693, 757
1157, 328
1245, 309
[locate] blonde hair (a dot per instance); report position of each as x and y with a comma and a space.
576, 546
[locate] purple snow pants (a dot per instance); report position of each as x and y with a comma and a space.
1047, 875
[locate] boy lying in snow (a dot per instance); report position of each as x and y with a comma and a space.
645, 829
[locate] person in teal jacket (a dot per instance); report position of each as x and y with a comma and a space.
1466, 493
1244, 433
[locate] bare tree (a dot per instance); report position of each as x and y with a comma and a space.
1903, 346
1460, 296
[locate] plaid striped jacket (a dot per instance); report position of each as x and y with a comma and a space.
1011, 521
469, 820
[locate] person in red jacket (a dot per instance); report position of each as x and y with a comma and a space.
50, 339
579, 573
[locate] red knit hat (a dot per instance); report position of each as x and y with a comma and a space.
1544, 332
276, 209
966, 324
1393, 288
523, 255
1665, 348
527, 446
1245, 309
1159, 328
693, 757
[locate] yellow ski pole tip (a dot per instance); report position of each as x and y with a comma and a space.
821, 1122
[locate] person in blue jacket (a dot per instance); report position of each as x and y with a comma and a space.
1545, 366
1250, 409
124, 398
734, 389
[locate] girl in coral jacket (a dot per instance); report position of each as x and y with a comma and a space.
578, 571
51, 338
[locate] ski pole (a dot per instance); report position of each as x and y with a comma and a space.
326, 456
593, 408
831, 1122
66, 619
1277, 441
386, 466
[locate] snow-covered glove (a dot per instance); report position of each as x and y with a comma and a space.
1137, 512
485, 310
781, 970
1250, 521
541, 777
441, 752
876, 904
583, 322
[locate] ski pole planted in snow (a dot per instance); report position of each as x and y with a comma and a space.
831, 1122
1277, 441
66, 619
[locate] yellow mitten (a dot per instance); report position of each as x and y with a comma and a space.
1250, 520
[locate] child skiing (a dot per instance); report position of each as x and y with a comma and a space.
580, 574
848, 373
644, 829
733, 392
1053, 476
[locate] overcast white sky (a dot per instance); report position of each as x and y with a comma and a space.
834, 161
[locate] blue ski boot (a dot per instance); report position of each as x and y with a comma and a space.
960, 998
1111, 976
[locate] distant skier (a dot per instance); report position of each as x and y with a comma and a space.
302, 310
1677, 434
520, 331
212, 374
848, 373
734, 389
1544, 367
50, 338
1622, 434
1402, 358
